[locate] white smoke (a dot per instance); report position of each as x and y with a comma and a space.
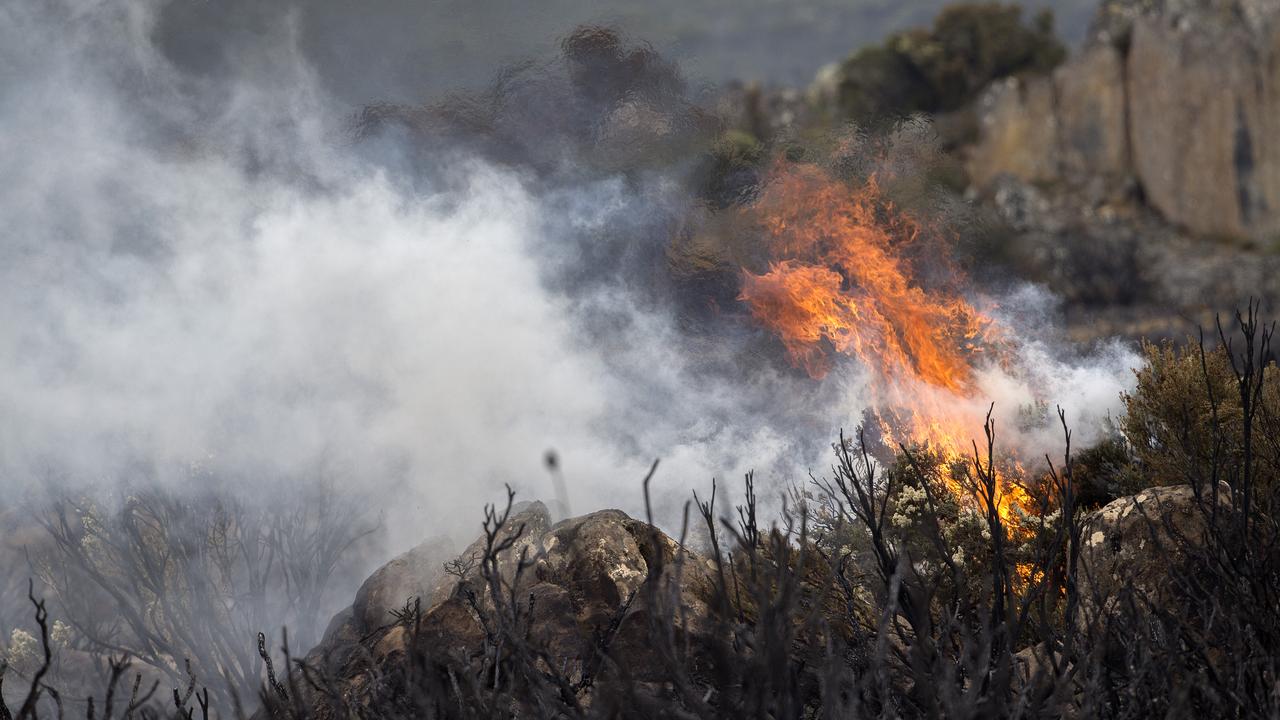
201, 271
1046, 374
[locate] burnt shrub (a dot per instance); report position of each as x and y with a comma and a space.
178, 582
895, 588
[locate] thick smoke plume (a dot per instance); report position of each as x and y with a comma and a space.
226, 277
206, 278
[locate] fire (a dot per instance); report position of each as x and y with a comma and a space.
841, 272
850, 274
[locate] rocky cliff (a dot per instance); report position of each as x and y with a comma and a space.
1177, 101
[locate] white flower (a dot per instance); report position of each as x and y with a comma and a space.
60, 634
24, 650
912, 494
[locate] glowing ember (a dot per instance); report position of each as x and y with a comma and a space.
844, 278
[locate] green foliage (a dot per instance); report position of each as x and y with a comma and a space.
737, 149
1105, 472
1185, 416
883, 80
943, 68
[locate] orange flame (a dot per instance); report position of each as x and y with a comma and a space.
840, 271
845, 277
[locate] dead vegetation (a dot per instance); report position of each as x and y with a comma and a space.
841, 610
168, 587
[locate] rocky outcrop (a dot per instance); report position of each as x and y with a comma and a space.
1019, 126
1205, 100
1114, 20
1182, 97
575, 585
1070, 126
1119, 266
1140, 544
1092, 114
414, 574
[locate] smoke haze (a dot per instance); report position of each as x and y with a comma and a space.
204, 275
407, 51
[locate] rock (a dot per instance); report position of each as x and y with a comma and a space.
1091, 114
1020, 204
1182, 95
342, 628
1134, 543
525, 528
1018, 131
1078, 248
413, 574
600, 553
1068, 127
1118, 266
420, 573
1033, 663
601, 560
1204, 101
581, 580
1114, 20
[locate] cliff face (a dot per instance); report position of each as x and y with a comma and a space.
1073, 123
1181, 98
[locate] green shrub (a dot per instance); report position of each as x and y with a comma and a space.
1186, 412
1106, 471
944, 68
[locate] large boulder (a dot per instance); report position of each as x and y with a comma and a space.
567, 586
414, 574
428, 574
1139, 544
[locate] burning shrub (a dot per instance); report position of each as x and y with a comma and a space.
907, 589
